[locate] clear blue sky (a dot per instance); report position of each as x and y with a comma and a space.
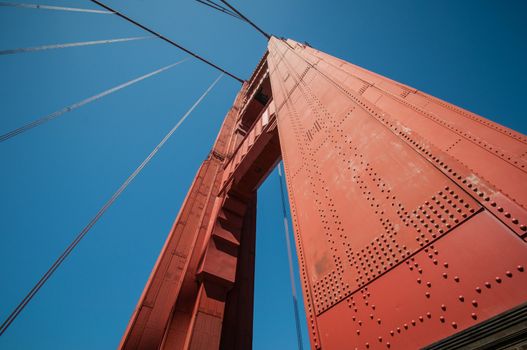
53, 179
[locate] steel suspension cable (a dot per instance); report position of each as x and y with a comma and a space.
267, 36
290, 260
220, 8
66, 45
164, 38
56, 8
14, 314
74, 106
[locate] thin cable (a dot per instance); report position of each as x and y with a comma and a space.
63, 46
14, 314
56, 8
220, 8
162, 37
74, 106
290, 259
217, 5
246, 19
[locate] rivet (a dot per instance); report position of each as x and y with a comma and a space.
443, 307
445, 264
367, 345
358, 332
445, 275
456, 278
398, 330
473, 315
429, 315
478, 289
413, 322
392, 333
520, 268
428, 284
474, 303
379, 321
418, 280
427, 294
442, 319
487, 284
380, 339
508, 273
454, 324
388, 344
405, 326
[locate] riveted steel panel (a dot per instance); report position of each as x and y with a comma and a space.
458, 281
378, 179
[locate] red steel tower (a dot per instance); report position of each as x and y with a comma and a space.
409, 217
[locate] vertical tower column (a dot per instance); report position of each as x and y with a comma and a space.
164, 311
200, 293
408, 212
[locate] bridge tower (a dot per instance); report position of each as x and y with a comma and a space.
409, 217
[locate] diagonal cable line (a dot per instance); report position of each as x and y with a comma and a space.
48, 7
267, 36
217, 7
74, 106
14, 314
164, 38
220, 8
66, 45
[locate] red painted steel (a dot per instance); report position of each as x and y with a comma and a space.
408, 212
402, 205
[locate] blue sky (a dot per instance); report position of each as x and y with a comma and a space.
54, 178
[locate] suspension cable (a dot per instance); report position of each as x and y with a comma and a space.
290, 259
217, 7
56, 8
66, 45
164, 38
74, 106
267, 36
14, 314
